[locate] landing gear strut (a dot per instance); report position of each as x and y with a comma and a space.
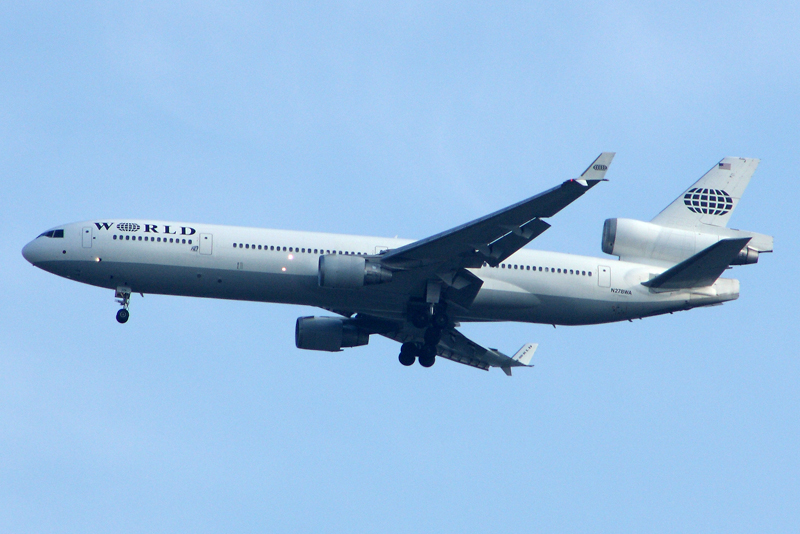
123, 296
434, 320
423, 316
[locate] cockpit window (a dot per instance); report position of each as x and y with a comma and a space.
53, 233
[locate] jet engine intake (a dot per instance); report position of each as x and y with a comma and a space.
350, 272
328, 334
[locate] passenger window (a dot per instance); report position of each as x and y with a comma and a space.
190, 241
183, 241
115, 237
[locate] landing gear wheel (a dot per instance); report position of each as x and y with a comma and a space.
122, 315
440, 320
420, 319
427, 356
408, 353
407, 359
123, 296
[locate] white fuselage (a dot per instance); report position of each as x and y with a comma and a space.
238, 263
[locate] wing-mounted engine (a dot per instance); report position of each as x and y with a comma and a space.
350, 272
328, 333
646, 242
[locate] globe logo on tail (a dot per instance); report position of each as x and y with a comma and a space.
708, 201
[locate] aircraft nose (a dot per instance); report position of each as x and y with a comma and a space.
32, 252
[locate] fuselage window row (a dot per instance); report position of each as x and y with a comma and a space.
301, 250
544, 269
248, 246
152, 239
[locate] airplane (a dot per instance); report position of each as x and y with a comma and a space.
419, 292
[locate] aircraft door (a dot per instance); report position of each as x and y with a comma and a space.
87, 237
206, 243
603, 276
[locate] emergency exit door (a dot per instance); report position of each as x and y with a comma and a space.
87, 237
206, 243
603, 276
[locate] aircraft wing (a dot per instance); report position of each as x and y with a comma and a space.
457, 347
497, 236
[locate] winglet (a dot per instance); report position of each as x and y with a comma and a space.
597, 170
524, 355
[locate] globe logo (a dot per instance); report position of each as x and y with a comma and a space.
708, 201
128, 227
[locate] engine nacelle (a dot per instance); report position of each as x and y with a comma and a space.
638, 240
328, 334
343, 271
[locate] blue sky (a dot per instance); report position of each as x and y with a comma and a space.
391, 119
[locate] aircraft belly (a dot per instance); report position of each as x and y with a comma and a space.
510, 303
208, 282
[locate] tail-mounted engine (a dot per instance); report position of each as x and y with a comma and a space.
350, 272
633, 240
328, 333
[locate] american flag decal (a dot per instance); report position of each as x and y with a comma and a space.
725, 166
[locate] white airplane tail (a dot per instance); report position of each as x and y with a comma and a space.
712, 198
695, 221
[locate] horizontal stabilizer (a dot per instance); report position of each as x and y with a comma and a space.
700, 270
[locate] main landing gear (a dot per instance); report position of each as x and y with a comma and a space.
410, 351
123, 296
434, 320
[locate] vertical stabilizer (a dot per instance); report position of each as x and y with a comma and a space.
712, 199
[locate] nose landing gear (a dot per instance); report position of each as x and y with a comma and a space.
122, 315
123, 296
